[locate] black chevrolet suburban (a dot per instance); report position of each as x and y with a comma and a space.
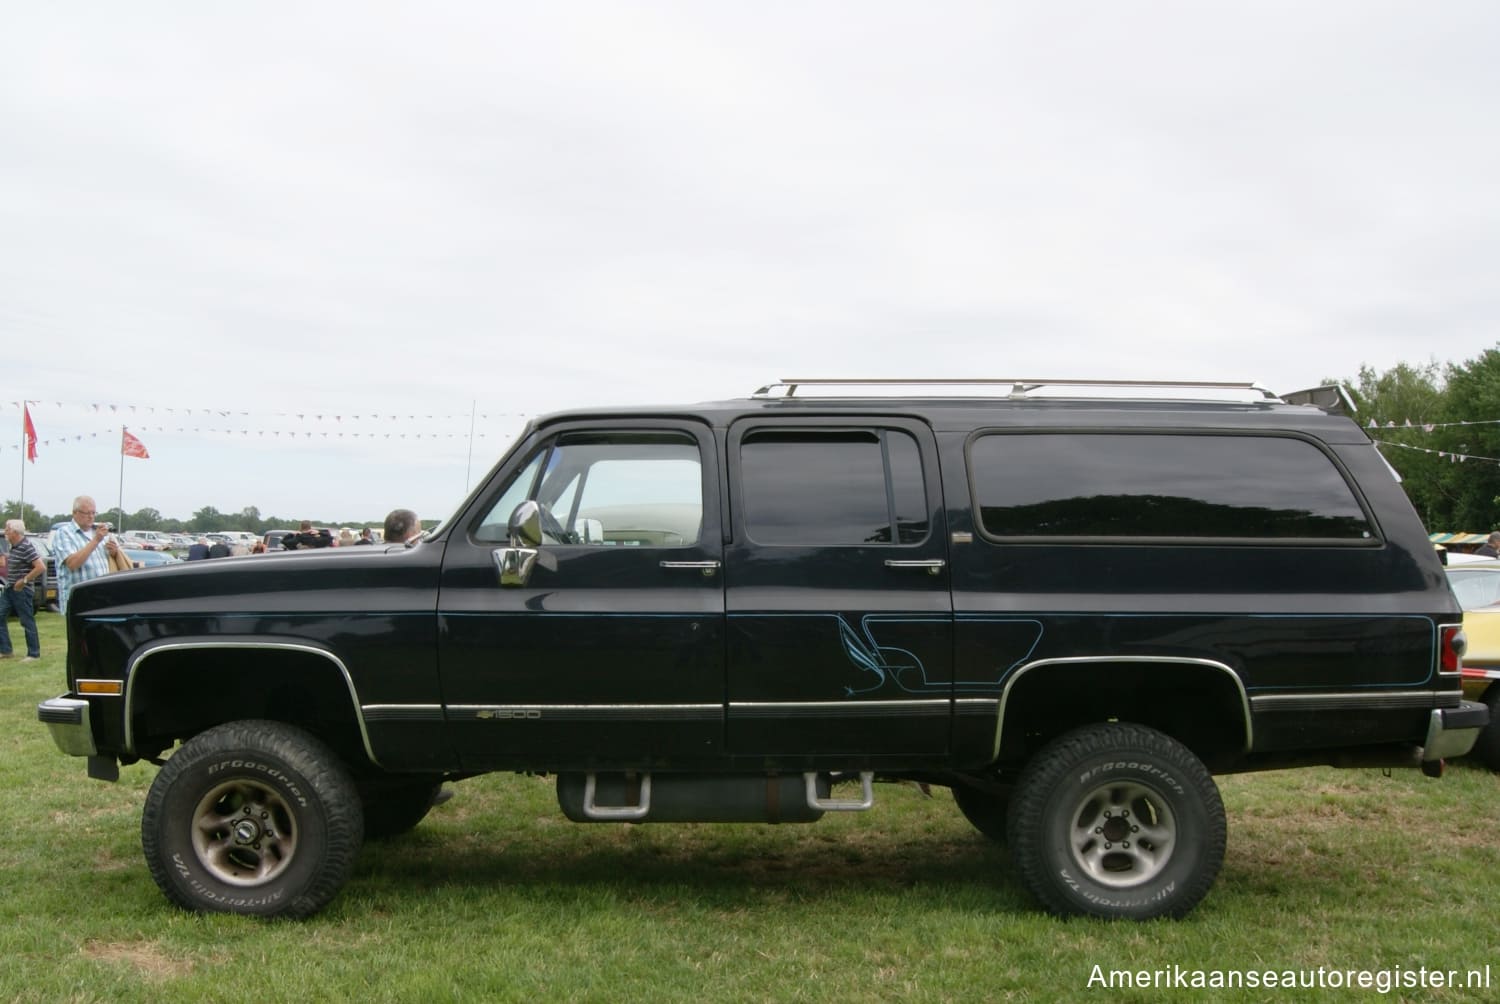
1071, 603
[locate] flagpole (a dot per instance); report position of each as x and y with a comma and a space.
469, 464
22, 513
121, 504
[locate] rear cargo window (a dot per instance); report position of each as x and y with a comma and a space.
1161, 486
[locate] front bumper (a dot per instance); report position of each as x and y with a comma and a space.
1451, 732
67, 718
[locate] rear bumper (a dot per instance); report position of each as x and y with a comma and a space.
1451, 732
67, 718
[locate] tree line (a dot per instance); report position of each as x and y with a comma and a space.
1438, 425
205, 520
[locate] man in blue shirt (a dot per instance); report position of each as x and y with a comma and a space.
76, 546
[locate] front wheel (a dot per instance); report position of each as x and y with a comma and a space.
252, 817
1117, 821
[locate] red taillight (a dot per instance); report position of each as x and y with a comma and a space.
1453, 644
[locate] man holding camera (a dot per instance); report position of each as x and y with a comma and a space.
76, 545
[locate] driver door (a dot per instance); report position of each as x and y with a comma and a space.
612, 651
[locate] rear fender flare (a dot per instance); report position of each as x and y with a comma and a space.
1210, 664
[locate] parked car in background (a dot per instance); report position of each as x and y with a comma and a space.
146, 540
142, 558
273, 539
1476, 583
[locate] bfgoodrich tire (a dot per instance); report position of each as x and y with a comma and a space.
1118, 821
252, 817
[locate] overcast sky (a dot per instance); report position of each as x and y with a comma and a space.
245, 231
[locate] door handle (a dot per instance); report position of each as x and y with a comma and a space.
708, 568
932, 565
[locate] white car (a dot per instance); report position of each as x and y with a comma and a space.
146, 540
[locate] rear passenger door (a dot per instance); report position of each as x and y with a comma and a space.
839, 615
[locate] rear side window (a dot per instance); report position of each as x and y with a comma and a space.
1162, 486
833, 486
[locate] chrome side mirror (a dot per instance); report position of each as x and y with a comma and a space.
516, 562
525, 526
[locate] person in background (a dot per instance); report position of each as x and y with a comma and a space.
76, 545
23, 567
346, 538
219, 549
402, 527
259, 547
198, 551
366, 536
306, 537
1491, 547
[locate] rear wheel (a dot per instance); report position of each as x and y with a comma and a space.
252, 817
1117, 821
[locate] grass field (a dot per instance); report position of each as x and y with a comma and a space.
497, 897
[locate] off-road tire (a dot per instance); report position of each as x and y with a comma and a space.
1119, 821
252, 817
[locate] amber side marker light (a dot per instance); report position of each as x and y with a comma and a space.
108, 688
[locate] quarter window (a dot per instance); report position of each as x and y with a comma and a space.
1168, 486
831, 487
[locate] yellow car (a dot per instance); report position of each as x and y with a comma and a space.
1477, 586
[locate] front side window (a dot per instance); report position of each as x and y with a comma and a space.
831, 487
609, 489
1162, 486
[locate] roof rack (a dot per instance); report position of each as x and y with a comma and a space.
1333, 398
1019, 387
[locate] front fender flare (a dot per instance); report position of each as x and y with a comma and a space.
139, 660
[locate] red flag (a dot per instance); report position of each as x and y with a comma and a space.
132, 447
28, 432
